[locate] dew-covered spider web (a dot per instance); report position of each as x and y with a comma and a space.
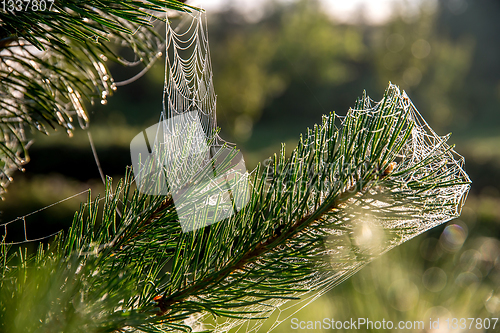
188, 72
183, 155
375, 223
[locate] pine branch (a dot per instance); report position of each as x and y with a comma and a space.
254, 254
380, 172
53, 63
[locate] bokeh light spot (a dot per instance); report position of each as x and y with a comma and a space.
453, 237
395, 42
434, 279
421, 49
412, 76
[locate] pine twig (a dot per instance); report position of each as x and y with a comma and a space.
253, 254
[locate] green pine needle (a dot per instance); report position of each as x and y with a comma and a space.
52, 63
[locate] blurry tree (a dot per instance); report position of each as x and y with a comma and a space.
414, 53
245, 80
292, 53
297, 60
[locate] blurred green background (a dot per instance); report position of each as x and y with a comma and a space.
276, 71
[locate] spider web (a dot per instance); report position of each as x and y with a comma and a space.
374, 226
183, 155
21, 223
188, 72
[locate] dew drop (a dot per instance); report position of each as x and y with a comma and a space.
104, 102
59, 117
113, 87
105, 78
70, 133
102, 68
103, 57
